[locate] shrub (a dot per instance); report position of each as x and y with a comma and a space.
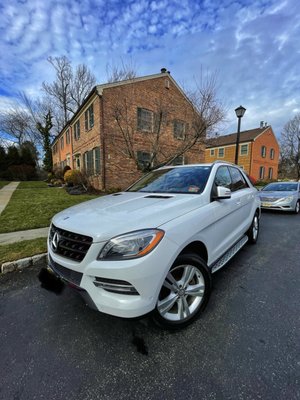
73, 176
66, 168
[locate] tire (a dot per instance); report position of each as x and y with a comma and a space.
253, 231
297, 207
184, 293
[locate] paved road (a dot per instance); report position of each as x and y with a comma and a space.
245, 346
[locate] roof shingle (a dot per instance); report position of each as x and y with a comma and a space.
245, 136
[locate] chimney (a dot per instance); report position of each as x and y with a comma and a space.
261, 124
163, 70
266, 124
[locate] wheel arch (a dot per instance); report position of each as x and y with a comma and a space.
197, 247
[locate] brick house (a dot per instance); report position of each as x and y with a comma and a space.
129, 112
258, 151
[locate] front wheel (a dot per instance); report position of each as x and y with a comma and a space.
184, 293
297, 207
253, 231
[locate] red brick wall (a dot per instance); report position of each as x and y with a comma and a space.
121, 171
265, 139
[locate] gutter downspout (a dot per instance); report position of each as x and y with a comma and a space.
102, 140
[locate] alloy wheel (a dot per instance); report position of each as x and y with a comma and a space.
182, 293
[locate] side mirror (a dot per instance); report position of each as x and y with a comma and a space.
223, 193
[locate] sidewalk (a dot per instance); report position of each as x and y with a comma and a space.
6, 193
12, 237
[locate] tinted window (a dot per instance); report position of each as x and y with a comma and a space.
173, 180
238, 181
223, 177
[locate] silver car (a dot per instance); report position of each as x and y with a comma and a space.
283, 196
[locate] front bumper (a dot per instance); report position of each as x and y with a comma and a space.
281, 206
145, 275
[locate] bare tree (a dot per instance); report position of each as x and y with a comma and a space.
69, 89
290, 148
82, 83
201, 115
17, 125
122, 72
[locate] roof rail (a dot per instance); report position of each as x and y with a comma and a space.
223, 162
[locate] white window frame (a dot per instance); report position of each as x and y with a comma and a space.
212, 152
221, 148
261, 172
244, 154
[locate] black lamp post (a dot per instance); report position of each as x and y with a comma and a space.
240, 111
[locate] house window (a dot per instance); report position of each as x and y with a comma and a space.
212, 152
270, 173
261, 173
263, 151
178, 129
55, 148
62, 142
144, 120
68, 159
97, 160
178, 160
272, 154
221, 152
244, 150
143, 159
88, 161
68, 137
77, 130
89, 118
77, 161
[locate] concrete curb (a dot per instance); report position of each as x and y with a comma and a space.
23, 263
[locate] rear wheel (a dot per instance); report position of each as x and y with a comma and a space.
184, 293
253, 231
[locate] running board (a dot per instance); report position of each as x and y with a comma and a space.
229, 254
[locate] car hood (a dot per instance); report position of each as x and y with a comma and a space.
276, 195
108, 216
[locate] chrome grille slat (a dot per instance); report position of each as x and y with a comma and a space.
71, 245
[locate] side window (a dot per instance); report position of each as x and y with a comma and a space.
223, 177
238, 181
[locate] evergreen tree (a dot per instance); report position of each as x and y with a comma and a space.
13, 156
45, 132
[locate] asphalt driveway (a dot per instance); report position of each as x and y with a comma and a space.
245, 346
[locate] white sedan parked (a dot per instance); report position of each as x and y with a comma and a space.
153, 248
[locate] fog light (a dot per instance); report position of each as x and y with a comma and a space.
115, 286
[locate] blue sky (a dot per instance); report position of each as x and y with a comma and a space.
252, 44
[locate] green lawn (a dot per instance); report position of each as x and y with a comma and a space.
3, 183
33, 204
26, 248
33, 185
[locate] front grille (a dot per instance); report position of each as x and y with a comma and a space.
68, 244
66, 273
268, 199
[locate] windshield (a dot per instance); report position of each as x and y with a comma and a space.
281, 187
190, 180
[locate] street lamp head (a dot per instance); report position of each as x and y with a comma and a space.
240, 111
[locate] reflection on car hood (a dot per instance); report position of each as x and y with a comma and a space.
112, 215
276, 194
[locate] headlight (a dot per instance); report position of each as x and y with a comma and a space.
131, 245
288, 199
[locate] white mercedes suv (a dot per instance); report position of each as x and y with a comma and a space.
153, 248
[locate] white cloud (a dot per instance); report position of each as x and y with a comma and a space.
254, 47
